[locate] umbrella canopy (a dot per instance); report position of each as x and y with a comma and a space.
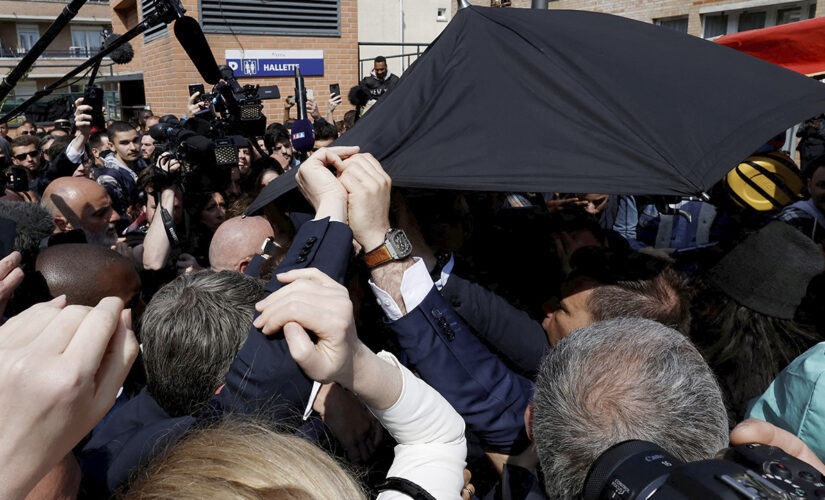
574, 101
797, 46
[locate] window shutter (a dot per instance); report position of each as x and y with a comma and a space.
272, 17
147, 7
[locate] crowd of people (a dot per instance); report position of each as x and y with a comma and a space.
369, 340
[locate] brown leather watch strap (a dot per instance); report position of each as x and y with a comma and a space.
378, 256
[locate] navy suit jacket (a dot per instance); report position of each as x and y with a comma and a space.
489, 396
263, 378
516, 335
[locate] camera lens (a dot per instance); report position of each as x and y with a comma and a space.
629, 470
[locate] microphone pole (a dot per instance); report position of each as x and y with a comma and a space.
31, 56
156, 17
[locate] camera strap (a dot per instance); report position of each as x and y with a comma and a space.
169, 225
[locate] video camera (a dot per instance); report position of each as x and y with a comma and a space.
199, 171
643, 470
209, 142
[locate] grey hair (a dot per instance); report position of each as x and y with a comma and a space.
621, 379
191, 331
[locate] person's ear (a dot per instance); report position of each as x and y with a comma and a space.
243, 264
528, 420
61, 223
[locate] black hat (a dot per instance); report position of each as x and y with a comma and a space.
769, 271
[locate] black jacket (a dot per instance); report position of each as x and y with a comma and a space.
377, 88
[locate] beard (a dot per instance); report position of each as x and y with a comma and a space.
106, 238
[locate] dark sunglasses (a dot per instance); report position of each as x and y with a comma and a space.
22, 156
24, 132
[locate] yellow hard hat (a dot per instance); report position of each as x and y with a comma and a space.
765, 182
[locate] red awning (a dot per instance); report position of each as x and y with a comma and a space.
797, 46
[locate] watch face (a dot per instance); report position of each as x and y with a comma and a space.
399, 243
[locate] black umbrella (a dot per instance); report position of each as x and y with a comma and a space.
573, 101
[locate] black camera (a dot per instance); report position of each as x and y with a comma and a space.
643, 470
199, 172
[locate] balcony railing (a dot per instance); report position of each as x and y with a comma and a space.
72, 52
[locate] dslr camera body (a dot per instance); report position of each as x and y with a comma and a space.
642, 470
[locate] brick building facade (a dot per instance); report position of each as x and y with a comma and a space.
706, 18
165, 71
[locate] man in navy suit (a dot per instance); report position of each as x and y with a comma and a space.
263, 376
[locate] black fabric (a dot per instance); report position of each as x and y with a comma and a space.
574, 101
406, 487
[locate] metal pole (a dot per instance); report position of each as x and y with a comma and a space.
462, 4
42, 43
540, 4
401, 18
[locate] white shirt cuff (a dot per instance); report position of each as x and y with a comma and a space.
415, 285
73, 155
316, 386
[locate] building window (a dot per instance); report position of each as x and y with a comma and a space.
442, 15
86, 41
147, 7
315, 18
714, 25
27, 36
751, 20
679, 24
785, 16
812, 10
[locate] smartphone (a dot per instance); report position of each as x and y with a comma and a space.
17, 179
196, 87
93, 96
335, 89
310, 94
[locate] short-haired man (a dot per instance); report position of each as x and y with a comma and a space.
279, 146
237, 240
380, 81
617, 380
27, 128
4, 131
209, 313
25, 152
101, 147
66, 270
80, 203
119, 173
147, 147
262, 379
325, 134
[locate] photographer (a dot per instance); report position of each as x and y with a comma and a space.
164, 215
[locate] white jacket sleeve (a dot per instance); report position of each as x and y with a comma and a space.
431, 448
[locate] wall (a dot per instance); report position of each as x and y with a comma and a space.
167, 70
379, 21
649, 10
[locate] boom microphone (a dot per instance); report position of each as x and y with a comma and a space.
122, 54
303, 133
191, 37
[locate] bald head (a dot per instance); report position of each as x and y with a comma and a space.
236, 241
87, 273
80, 203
